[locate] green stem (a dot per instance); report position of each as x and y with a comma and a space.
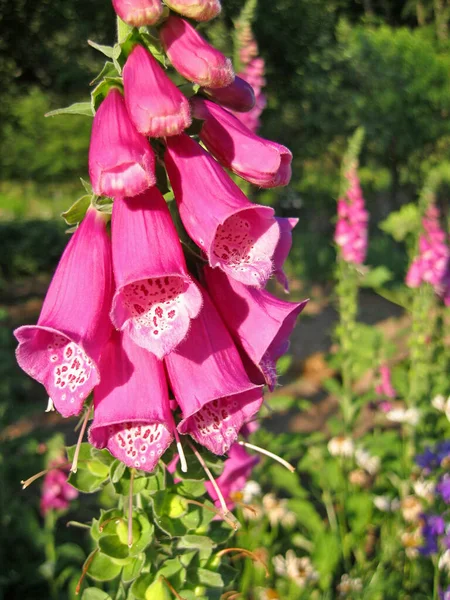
50, 550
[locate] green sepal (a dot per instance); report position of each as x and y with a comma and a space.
78, 108
156, 481
139, 587
211, 579
103, 204
113, 547
84, 480
122, 484
95, 594
75, 214
155, 48
100, 92
102, 568
107, 524
109, 70
191, 488
133, 569
109, 51
173, 570
147, 531
199, 542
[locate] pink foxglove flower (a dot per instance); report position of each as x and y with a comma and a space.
351, 228
385, 387
155, 298
283, 248
259, 161
121, 161
200, 10
193, 57
237, 469
236, 235
57, 493
63, 349
258, 321
238, 96
210, 384
132, 417
432, 265
155, 104
138, 12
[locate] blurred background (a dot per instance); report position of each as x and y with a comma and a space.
331, 66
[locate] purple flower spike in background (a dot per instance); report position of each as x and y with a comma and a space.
63, 349
155, 104
138, 12
155, 298
385, 387
432, 527
56, 494
121, 161
193, 57
443, 488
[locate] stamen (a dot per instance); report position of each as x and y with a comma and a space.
245, 552
50, 406
73, 468
267, 453
181, 454
226, 514
130, 511
30, 480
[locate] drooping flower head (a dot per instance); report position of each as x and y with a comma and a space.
210, 384
351, 228
57, 493
259, 161
236, 235
132, 417
63, 349
193, 57
199, 10
155, 298
138, 12
155, 104
432, 265
121, 161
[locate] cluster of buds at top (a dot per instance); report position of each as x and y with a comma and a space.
351, 228
168, 346
148, 12
432, 265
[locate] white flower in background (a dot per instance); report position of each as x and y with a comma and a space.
348, 585
277, 511
444, 561
385, 504
411, 541
424, 488
366, 461
407, 416
251, 490
341, 446
300, 570
268, 594
439, 403
411, 508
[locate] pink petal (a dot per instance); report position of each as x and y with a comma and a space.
283, 248
200, 10
138, 12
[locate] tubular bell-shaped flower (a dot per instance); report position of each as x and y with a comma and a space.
258, 321
63, 349
155, 298
193, 57
283, 248
200, 10
155, 104
238, 96
138, 12
259, 161
210, 384
121, 161
237, 469
236, 235
132, 417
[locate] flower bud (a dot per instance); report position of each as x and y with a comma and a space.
193, 57
238, 96
200, 10
155, 104
138, 12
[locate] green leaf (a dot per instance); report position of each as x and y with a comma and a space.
109, 51
112, 546
109, 70
401, 223
200, 542
116, 471
191, 488
140, 586
173, 570
210, 578
101, 91
158, 590
156, 481
87, 186
146, 533
75, 214
122, 485
79, 108
95, 594
133, 569
85, 482
102, 568
377, 277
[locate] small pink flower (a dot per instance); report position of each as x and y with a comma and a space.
63, 349
200, 10
259, 161
237, 469
236, 235
258, 321
121, 161
385, 387
132, 417
155, 104
155, 298
57, 493
210, 383
238, 96
138, 12
283, 248
193, 57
